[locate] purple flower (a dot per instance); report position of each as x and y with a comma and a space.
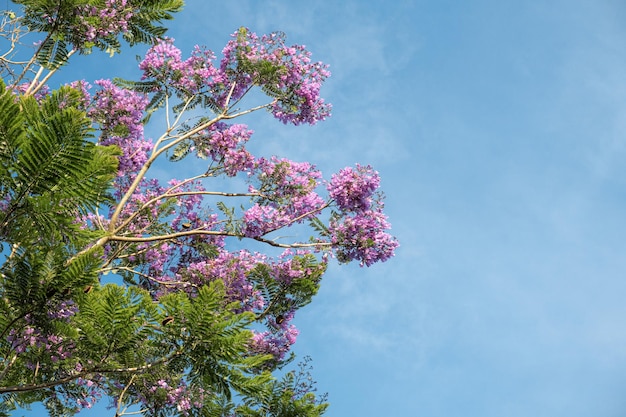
164, 64
96, 24
284, 72
363, 237
224, 144
276, 343
352, 189
119, 112
288, 196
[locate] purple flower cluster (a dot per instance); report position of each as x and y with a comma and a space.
189, 208
285, 72
182, 396
83, 88
289, 266
224, 144
233, 269
363, 237
359, 231
276, 343
163, 63
35, 340
143, 217
353, 189
32, 336
92, 392
39, 95
288, 196
97, 23
62, 310
119, 112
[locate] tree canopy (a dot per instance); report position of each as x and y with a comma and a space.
117, 285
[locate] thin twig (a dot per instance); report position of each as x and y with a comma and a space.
144, 169
50, 74
60, 381
119, 400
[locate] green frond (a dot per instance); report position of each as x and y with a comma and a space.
319, 227
263, 281
145, 87
186, 102
11, 135
51, 169
208, 101
156, 102
112, 320
25, 284
53, 53
181, 151
228, 211
61, 18
142, 27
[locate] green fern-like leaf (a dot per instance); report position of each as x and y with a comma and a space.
145, 87
51, 170
319, 227
181, 151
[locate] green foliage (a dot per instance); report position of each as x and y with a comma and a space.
217, 341
62, 333
285, 295
49, 169
126, 329
181, 151
122, 337
142, 28
112, 325
50, 173
292, 396
319, 227
60, 20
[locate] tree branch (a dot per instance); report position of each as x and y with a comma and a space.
144, 169
121, 397
167, 194
241, 113
293, 245
69, 378
170, 236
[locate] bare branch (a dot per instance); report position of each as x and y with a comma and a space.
45, 79
121, 397
293, 245
251, 110
170, 236
144, 169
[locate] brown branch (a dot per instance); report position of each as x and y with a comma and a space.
292, 245
169, 236
69, 378
167, 194
113, 269
121, 397
144, 169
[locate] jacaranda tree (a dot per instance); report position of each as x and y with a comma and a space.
117, 285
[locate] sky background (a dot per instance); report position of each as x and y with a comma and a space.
499, 130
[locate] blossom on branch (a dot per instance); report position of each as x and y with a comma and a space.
283, 72
196, 316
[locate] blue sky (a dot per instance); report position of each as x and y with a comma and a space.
499, 131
